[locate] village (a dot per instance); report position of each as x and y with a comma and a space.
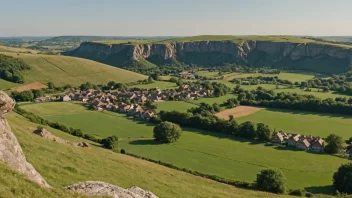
297, 141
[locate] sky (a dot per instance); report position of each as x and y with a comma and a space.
175, 17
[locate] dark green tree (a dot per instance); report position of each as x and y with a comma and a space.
247, 129
271, 180
263, 132
334, 144
342, 179
167, 132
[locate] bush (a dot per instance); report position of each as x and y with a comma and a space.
110, 142
298, 192
155, 119
271, 180
342, 179
122, 151
167, 132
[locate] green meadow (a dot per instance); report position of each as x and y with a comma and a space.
306, 123
7, 85
206, 152
157, 84
181, 106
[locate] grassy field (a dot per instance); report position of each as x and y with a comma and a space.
157, 84
63, 165
304, 122
293, 77
218, 100
64, 70
205, 152
208, 74
130, 42
101, 124
314, 92
7, 85
17, 50
175, 105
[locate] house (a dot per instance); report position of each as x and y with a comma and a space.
277, 138
317, 145
147, 115
291, 142
303, 144
65, 98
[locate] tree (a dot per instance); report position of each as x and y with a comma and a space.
38, 93
247, 130
271, 180
167, 132
111, 84
51, 85
149, 105
335, 143
110, 142
263, 132
342, 179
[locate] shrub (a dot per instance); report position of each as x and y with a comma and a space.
167, 132
122, 151
110, 142
271, 180
298, 192
342, 179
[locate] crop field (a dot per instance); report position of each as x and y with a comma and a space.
7, 85
206, 152
181, 106
157, 84
34, 85
64, 70
303, 122
63, 165
237, 112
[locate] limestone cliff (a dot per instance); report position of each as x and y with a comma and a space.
223, 52
10, 150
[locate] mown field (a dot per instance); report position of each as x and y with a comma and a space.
212, 100
181, 106
64, 70
306, 123
204, 151
63, 165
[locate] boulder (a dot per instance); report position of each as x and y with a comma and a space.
98, 188
10, 150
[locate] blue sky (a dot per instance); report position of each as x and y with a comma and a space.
174, 17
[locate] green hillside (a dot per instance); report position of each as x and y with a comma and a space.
70, 70
62, 165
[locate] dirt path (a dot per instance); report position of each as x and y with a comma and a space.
237, 112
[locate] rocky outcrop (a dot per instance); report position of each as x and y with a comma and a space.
238, 50
98, 188
10, 150
47, 135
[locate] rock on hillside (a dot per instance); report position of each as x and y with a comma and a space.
10, 150
99, 188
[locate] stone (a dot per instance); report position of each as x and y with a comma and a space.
98, 188
11, 151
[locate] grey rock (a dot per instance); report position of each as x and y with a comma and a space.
98, 188
10, 150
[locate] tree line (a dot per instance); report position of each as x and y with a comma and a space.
11, 68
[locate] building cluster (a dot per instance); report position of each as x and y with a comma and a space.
302, 142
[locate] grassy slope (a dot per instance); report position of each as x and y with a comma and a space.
206, 152
6, 84
69, 70
304, 122
54, 160
175, 105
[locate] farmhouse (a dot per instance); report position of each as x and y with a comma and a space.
318, 145
291, 142
65, 98
277, 138
303, 144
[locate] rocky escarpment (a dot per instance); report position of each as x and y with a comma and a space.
98, 188
217, 53
10, 150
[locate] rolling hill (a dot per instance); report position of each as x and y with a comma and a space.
62, 70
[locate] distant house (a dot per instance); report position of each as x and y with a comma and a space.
291, 142
317, 145
303, 144
277, 138
65, 98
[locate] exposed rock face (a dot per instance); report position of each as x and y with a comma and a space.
240, 51
99, 188
10, 150
47, 135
